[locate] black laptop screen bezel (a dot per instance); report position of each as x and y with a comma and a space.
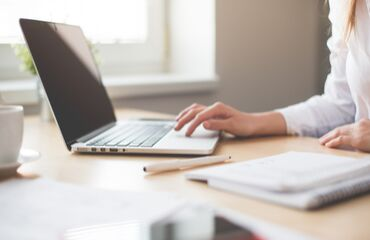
77, 96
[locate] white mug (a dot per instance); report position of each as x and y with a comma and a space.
11, 133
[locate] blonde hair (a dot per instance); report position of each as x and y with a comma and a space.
351, 17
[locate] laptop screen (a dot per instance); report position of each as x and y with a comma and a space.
70, 77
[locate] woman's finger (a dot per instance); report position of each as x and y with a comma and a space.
187, 118
214, 111
186, 110
339, 141
341, 131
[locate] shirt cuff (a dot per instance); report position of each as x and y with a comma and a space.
292, 121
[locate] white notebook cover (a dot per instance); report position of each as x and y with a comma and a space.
287, 172
295, 179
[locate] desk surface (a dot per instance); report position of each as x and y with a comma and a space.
347, 220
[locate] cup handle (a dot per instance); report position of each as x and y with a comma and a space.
28, 155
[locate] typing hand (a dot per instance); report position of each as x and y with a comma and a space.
356, 135
215, 117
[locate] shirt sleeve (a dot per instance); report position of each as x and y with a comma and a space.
335, 107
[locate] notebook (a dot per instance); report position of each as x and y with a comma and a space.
295, 179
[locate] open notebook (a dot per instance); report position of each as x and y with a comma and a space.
295, 179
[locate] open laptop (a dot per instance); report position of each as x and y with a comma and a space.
82, 108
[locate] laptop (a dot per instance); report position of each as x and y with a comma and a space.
82, 108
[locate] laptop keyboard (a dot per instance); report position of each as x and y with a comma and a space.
132, 135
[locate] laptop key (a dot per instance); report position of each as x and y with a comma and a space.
155, 138
131, 138
143, 137
133, 135
122, 136
106, 138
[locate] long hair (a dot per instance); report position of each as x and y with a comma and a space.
351, 17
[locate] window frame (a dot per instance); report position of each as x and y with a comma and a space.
116, 58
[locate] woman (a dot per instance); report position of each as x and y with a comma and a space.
340, 117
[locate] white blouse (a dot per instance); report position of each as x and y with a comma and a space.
347, 88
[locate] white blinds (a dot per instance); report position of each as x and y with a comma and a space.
105, 21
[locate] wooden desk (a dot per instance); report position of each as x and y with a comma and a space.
347, 220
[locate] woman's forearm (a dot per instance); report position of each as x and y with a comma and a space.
268, 123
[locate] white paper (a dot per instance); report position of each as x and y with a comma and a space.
43, 209
266, 230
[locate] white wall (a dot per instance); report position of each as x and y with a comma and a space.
192, 27
267, 56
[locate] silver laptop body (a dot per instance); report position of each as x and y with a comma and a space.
82, 108
148, 136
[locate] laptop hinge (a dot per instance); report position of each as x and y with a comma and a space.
94, 133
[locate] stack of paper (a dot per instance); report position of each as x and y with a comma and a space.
47, 210
44, 210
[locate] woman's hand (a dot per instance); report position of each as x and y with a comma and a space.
222, 117
356, 135
215, 117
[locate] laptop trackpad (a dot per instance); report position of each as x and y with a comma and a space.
201, 139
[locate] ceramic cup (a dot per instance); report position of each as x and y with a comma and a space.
11, 133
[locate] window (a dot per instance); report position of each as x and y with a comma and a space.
102, 21
168, 44
126, 32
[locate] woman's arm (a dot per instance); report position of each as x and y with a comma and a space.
320, 114
222, 117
